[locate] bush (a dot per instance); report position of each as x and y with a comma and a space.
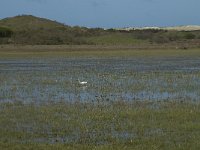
189, 36
5, 32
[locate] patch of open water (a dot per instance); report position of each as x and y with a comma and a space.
56, 79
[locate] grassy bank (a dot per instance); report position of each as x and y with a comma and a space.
119, 125
93, 51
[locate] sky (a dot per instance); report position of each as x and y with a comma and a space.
108, 13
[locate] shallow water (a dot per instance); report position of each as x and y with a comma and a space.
56, 79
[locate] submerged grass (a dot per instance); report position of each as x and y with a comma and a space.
117, 125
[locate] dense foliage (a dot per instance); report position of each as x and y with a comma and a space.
5, 32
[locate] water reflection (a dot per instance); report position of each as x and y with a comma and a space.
41, 80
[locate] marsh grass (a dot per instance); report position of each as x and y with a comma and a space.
93, 52
121, 125
129, 75
33, 114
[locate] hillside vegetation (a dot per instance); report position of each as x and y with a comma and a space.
27, 29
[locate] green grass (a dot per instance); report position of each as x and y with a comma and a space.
87, 51
120, 125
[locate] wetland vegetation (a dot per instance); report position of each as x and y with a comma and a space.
142, 91
134, 99
118, 125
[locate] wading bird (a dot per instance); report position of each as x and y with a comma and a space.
82, 82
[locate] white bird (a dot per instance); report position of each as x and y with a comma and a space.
82, 82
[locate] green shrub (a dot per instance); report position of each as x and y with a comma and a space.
5, 32
189, 35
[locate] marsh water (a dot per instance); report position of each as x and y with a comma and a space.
109, 79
